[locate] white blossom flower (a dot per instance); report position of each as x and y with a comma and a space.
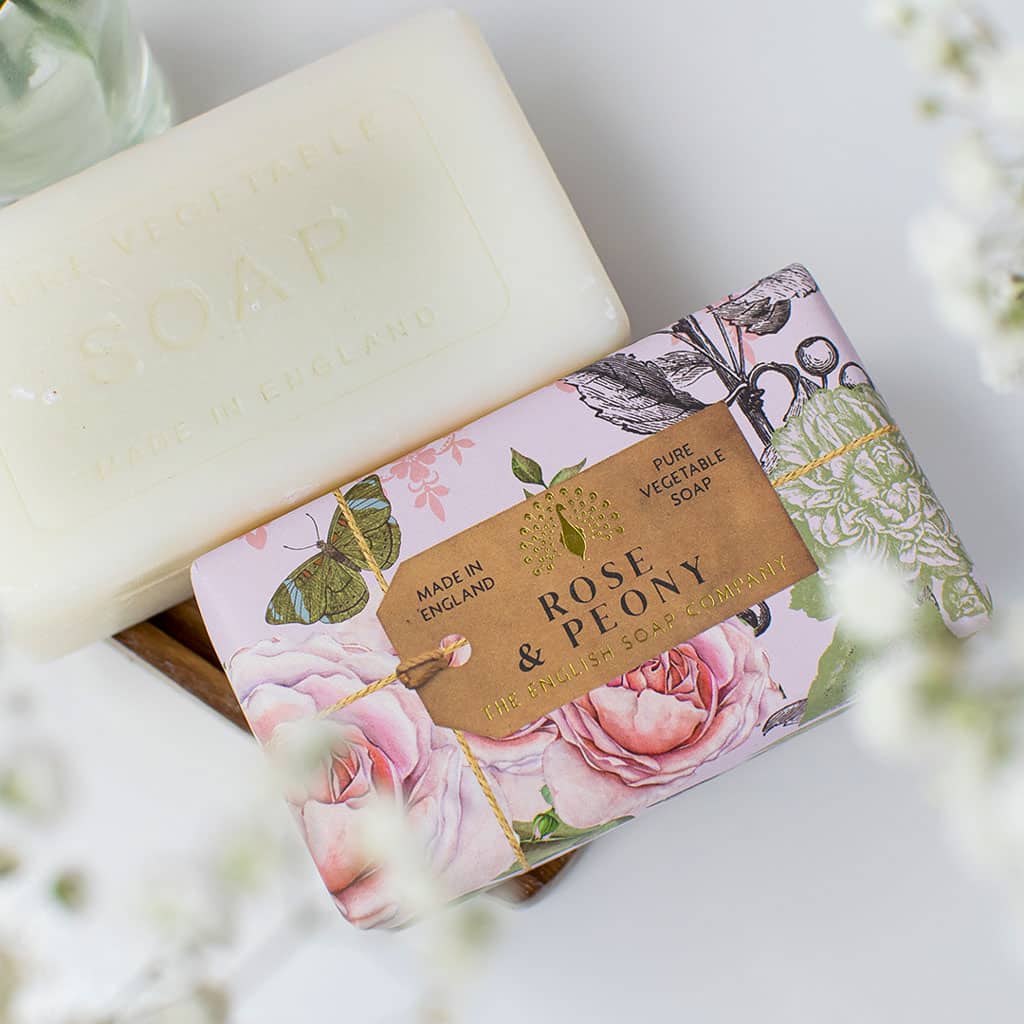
296, 753
1003, 85
32, 780
973, 251
253, 851
945, 245
931, 46
985, 813
887, 713
1006, 286
11, 977
974, 178
997, 653
871, 600
893, 16
1002, 364
1012, 632
189, 908
1008, 810
204, 1005
963, 306
388, 839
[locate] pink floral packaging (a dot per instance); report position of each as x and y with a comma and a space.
583, 742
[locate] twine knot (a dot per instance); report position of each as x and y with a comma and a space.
418, 670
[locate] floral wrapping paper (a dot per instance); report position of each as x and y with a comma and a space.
297, 634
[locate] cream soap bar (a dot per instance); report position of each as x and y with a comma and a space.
299, 286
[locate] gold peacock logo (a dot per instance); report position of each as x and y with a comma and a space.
565, 521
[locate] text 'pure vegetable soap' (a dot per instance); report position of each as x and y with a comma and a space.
289, 290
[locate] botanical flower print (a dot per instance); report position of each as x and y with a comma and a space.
516, 766
765, 308
645, 395
382, 745
592, 763
666, 724
419, 469
639, 739
873, 500
257, 538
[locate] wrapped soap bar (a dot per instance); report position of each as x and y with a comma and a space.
533, 629
208, 329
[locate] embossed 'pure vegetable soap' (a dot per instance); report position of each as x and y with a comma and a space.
535, 628
208, 329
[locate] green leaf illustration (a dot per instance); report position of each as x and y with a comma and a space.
545, 825
526, 470
872, 500
833, 685
809, 596
557, 836
963, 598
547, 836
567, 474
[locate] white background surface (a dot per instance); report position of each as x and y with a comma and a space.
704, 145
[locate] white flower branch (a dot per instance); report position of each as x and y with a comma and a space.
971, 246
951, 709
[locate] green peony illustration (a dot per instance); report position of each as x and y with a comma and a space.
874, 501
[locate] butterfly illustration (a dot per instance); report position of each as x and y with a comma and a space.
329, 587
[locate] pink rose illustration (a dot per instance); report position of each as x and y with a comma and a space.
633, 742
383, 745
515, 767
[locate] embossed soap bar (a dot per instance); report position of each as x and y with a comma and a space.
524, 671
289, 290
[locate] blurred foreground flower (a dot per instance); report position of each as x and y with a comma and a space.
32, 781
10, 978
951, 709
972, 247
248, 877
449, 941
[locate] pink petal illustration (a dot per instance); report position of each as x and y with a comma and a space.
257, 538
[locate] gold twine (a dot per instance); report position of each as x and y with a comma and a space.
442, 654
439, 655
364, 545
857, 442
492, 800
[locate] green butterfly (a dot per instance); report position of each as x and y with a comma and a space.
329, 587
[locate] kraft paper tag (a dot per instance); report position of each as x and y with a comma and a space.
583, 582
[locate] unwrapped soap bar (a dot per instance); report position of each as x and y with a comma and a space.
650, 613
210, 328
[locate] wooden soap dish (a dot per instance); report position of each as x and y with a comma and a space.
176, 644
